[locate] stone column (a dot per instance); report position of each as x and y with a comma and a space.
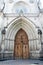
41, 52
3, 42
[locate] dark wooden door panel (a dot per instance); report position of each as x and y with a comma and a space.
18, 51
25, 52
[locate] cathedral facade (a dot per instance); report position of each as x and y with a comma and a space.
21, 29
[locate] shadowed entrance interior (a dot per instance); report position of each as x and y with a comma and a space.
21, 46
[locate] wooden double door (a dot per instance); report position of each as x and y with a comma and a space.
21, 46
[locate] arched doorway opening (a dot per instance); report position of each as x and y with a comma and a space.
21, 46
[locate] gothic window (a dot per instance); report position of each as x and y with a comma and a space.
31, 1
21, 9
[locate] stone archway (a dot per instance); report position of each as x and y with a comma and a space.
27, 26
21, 46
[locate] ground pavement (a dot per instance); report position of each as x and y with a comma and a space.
21, 62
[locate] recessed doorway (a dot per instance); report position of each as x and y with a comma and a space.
21, 46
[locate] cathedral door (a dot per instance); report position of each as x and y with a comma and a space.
21, 46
